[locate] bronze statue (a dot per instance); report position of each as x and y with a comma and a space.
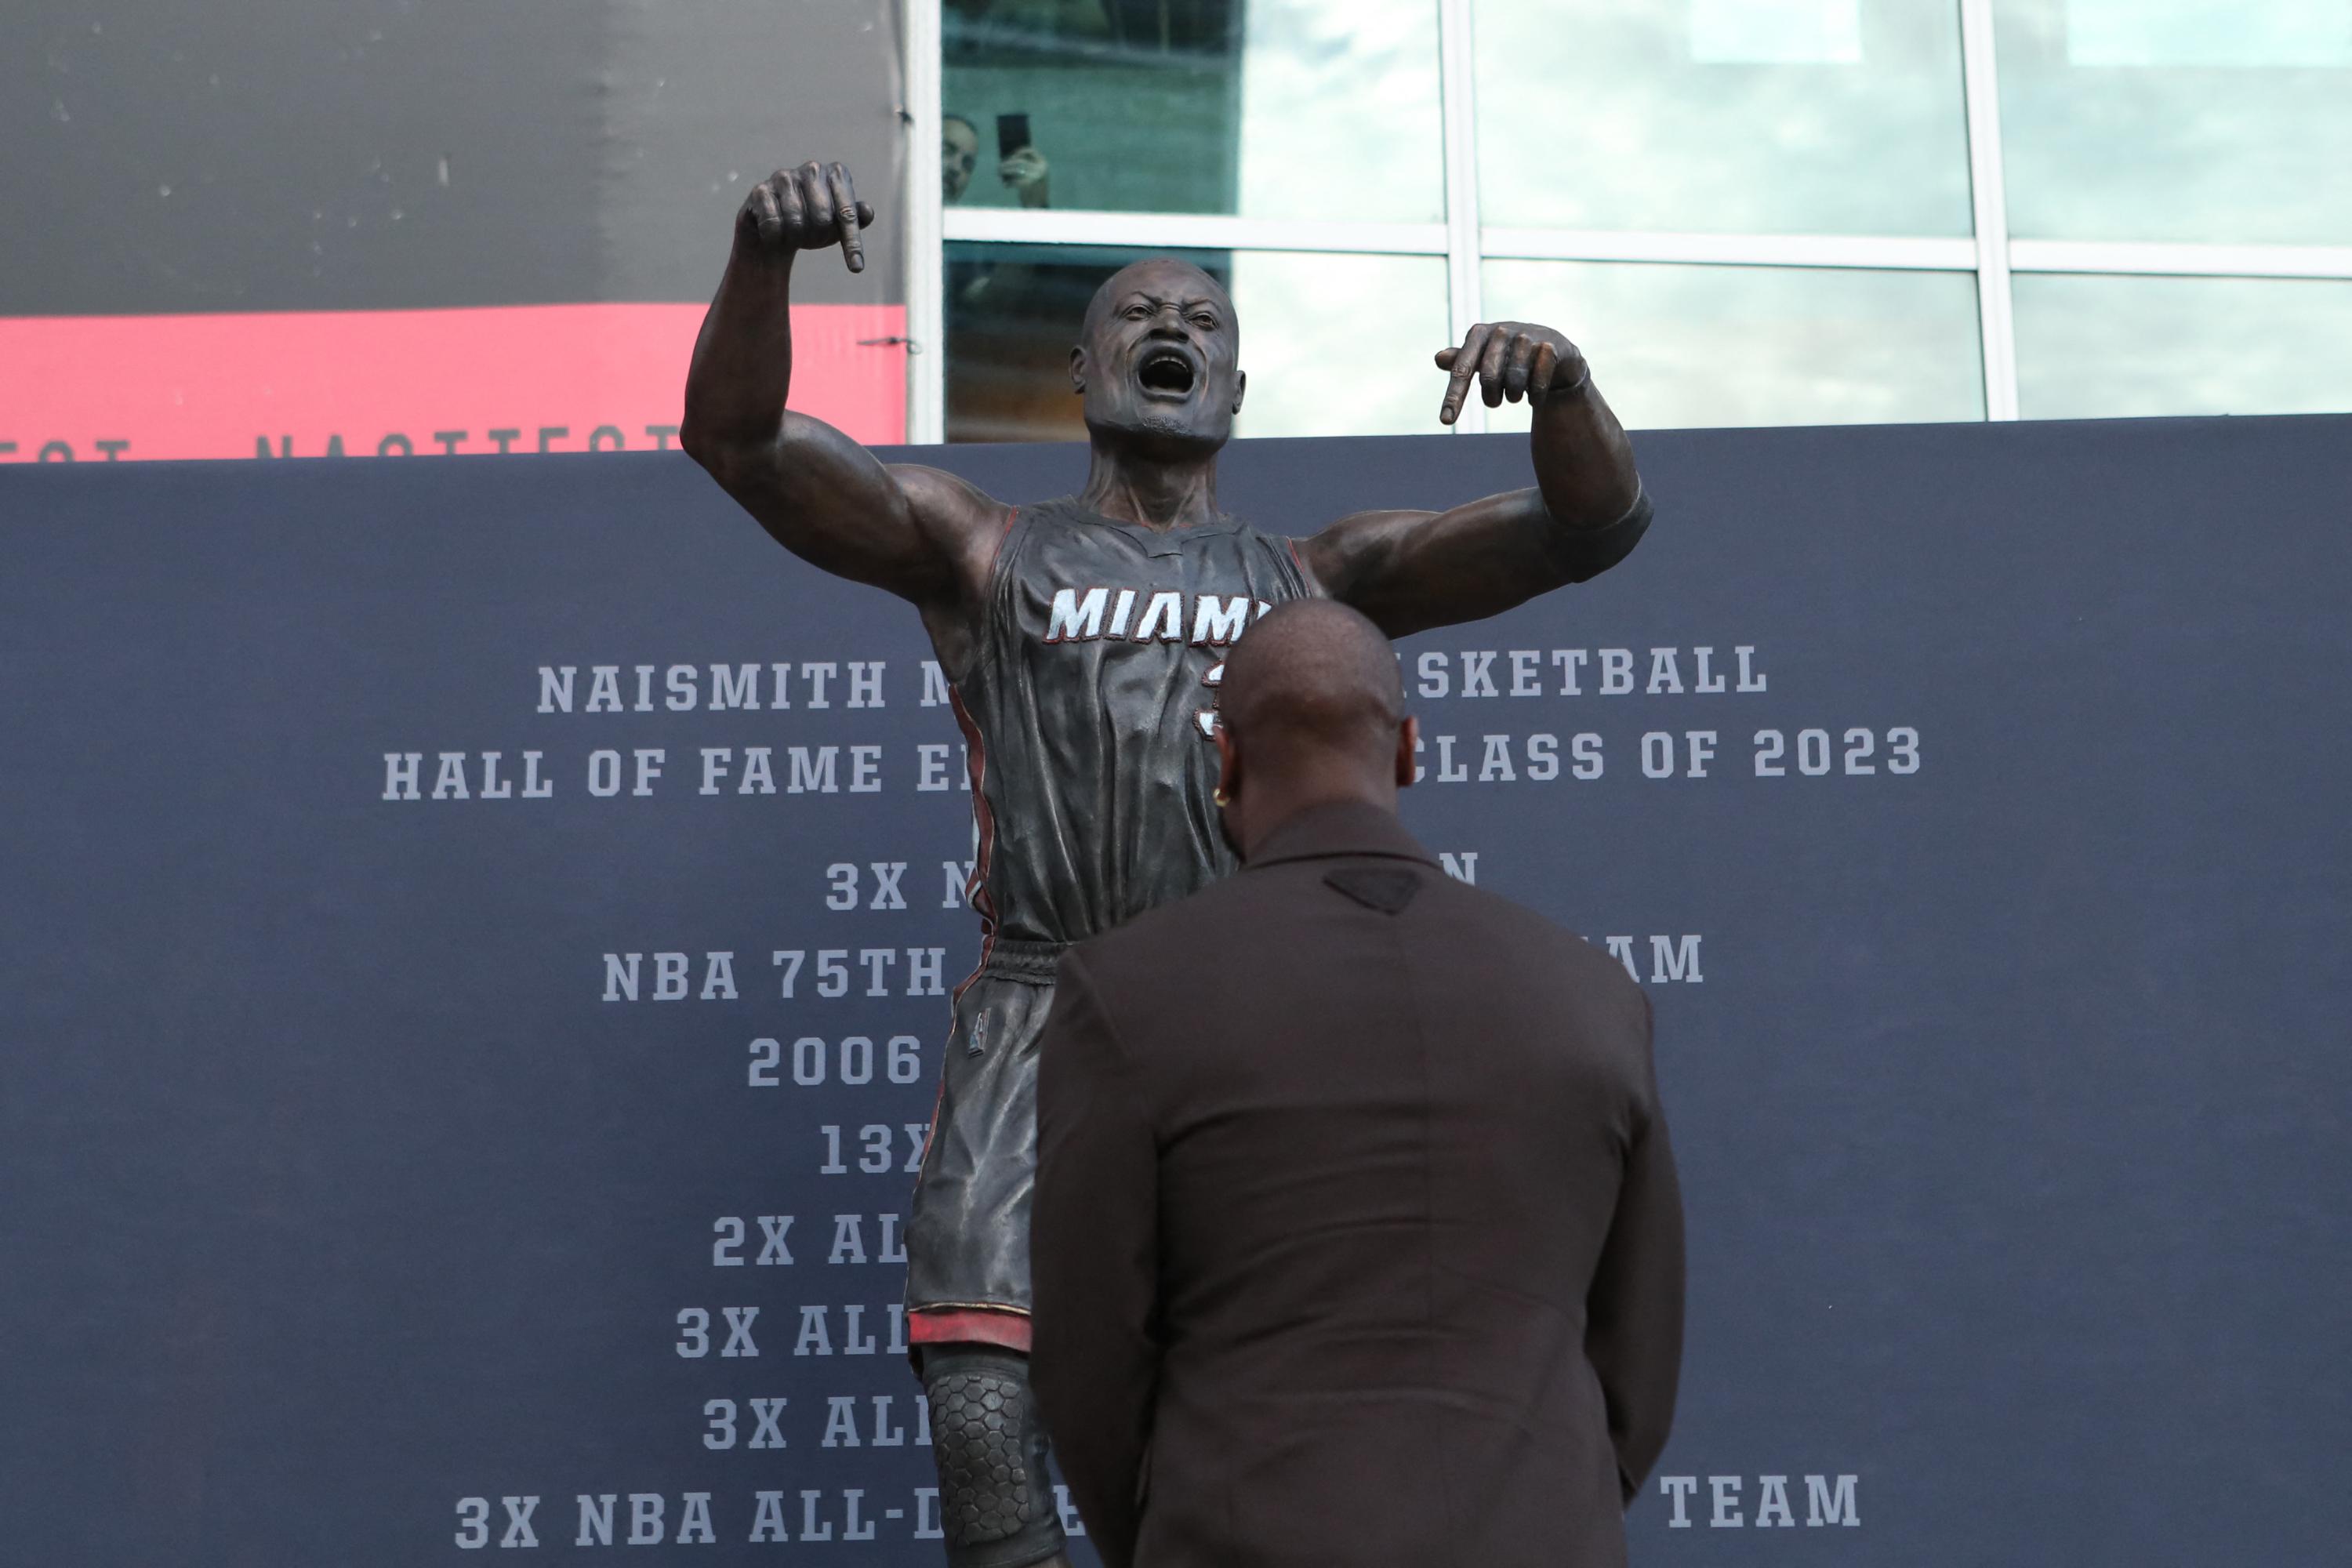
1083, 639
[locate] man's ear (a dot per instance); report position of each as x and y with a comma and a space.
1408, 743
1241, 385
1078, 370
1229, 764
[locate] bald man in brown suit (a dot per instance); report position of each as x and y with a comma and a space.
1357, 1236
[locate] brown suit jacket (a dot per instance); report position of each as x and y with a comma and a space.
1357, 1237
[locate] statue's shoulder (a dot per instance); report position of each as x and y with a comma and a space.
1281, 544
1050, 536
1065, 511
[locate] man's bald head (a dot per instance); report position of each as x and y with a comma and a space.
1313, 686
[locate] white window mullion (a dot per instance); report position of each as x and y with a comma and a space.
1187, 231
2162, 258
1872, 252
1466, 308
1995, 314
925, 253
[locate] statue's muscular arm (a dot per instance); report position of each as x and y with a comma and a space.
918, 533
1409, 571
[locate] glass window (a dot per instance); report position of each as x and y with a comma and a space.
1723, 116
1281, 109
2216, 120
1013, 313
1678, 346
1333, 345
2092, 347
1340, 345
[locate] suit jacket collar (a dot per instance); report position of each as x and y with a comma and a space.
1346, 827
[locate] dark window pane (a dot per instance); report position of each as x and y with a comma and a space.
1013, 313
1265, 108
1333, 345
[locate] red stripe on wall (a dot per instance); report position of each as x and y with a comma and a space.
518, 378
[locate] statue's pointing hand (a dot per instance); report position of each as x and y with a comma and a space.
805, 208
1511, 360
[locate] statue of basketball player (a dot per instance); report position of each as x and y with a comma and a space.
1083, 639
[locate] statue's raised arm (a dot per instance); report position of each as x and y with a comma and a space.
919, 532
1412, 570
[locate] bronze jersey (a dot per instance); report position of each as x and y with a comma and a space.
1089, 712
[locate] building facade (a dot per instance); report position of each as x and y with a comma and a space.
429, 228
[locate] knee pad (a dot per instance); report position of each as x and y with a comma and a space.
996, 1501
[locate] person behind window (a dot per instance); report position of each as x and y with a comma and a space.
1025, 171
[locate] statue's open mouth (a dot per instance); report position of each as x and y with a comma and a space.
1166, 371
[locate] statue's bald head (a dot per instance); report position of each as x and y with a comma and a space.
1158, 365
1312, 688
1161, 276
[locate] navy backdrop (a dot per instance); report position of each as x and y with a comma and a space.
1994, 909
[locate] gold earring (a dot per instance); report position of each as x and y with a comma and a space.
1220, 797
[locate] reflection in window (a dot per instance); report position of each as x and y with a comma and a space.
1775, 32
1676, 346
1013, 314
2091, 348
1340, 345
2227, 121
1333, 345
1723, 116
1266, 108
2206, 33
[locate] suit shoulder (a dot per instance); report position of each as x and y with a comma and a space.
1540, 941
1504, 917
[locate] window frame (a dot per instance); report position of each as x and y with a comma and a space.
1466, 241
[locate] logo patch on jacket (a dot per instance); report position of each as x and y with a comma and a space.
1374, 887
